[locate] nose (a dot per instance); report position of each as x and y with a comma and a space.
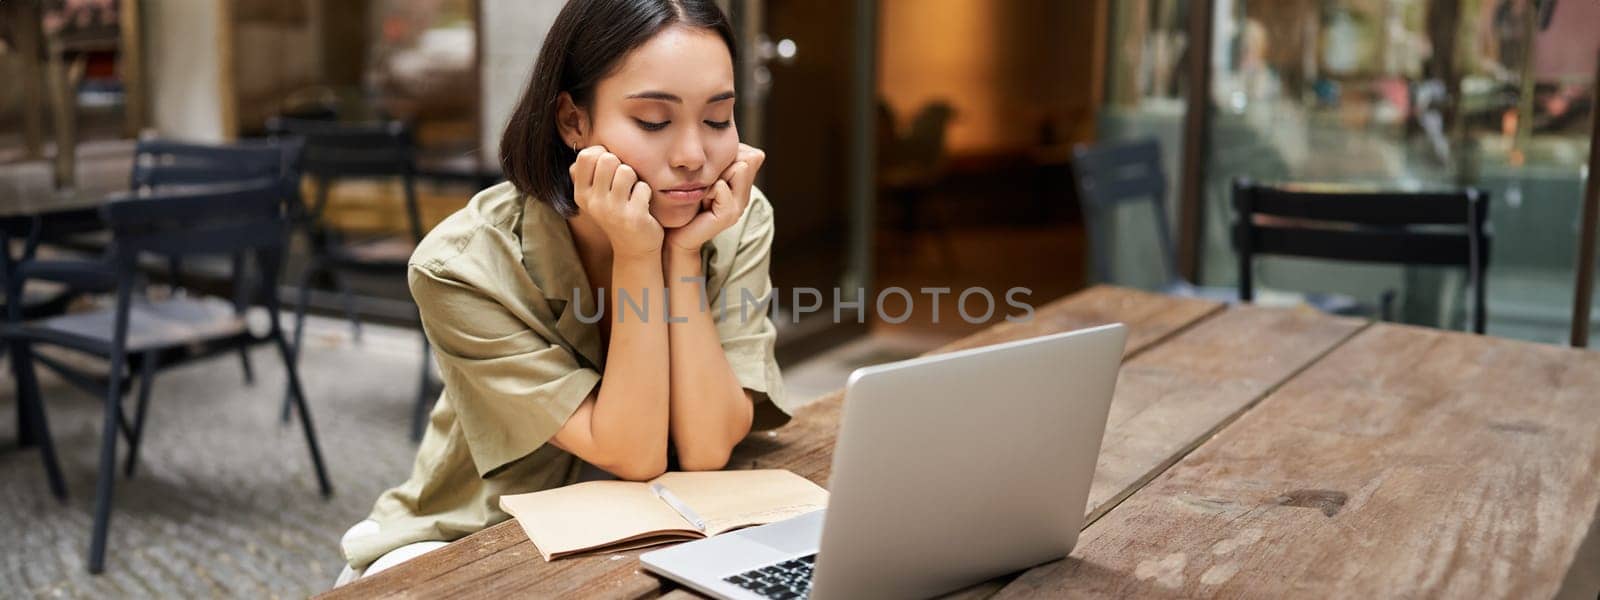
688, 152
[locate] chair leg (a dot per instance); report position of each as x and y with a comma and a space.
30, 410
147, 373
1480, 313
1386, 306
347, 299
299, 330
108, 468
25, 437
241, 293
296, 392
419, 417
124, 424
244, 364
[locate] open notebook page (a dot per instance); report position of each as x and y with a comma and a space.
593, 514
732, 499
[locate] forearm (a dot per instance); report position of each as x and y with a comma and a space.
710, 411
631, 411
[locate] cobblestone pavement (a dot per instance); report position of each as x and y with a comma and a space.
224, 503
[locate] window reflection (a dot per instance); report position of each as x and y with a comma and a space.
1406, 94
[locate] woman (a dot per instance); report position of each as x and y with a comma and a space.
546, 298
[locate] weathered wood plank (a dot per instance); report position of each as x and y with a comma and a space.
1407, 463
501, 561
1175, 396
1150, 318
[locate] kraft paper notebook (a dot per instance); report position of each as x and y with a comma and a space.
611, 516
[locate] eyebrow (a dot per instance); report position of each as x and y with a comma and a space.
664, 96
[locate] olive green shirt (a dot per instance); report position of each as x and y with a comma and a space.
499, 288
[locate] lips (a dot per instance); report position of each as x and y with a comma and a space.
685, 194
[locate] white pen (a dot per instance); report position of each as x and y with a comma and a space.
683, 509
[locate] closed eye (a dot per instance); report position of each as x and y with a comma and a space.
719, 124
652, 125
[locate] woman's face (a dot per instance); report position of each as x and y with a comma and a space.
668, 112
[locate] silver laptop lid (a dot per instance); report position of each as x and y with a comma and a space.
955, 468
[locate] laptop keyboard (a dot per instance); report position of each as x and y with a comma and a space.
780, 581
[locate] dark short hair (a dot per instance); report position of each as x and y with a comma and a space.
585, 44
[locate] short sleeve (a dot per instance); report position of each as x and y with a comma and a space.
510, 387
740, 308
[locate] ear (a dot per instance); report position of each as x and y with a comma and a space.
572, 121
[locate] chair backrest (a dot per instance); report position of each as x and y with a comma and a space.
159, 163
227, 219
216, 219
1110, 175
1410, 228
924, 145
336, 150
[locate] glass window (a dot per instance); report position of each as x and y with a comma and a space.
1144, 99
1412, 94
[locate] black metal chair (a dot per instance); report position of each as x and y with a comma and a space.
1409, 228
157, 165
141, 334
1113, 175
161, 164
341, 151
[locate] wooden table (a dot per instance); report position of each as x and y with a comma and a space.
1249, 452
19, 200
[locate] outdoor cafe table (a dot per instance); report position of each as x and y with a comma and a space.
21, 212
1250, 451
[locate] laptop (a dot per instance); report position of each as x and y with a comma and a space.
949, 470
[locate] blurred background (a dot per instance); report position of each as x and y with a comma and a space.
974, 110
911, 143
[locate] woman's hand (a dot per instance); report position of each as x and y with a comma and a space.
612, 194
729, 197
